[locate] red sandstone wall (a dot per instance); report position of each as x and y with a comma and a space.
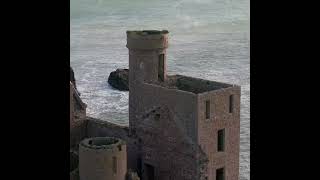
220, 118
99, 128
78, 132
180, 103
170, 146
162, 145
165, 146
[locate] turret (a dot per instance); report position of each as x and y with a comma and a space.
147, 55
102, 158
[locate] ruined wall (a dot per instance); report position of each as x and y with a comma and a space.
143, 65
74, 166
145, 48
169, 143
100, 128
77, 107
208, 128
164, 145
77, 118
102, 158
183, 105
162, 120
168, 118
77, 133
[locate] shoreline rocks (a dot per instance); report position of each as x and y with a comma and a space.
119, 79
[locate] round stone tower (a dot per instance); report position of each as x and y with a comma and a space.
102, 158
147, 55
147, 63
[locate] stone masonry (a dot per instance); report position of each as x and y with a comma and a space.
102, 158
168, 114
180, 127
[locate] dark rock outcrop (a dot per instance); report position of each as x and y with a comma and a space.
119, 79
72, 78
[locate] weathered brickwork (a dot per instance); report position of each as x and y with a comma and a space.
165, 146
100, 128
220, 118
77, 118
102, 158
168, 116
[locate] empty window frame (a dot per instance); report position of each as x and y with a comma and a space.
161, 68
114, 165
207, 109
149, 172
220, 174
221, 139
231, 103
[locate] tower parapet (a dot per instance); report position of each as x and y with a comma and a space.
147, 56
147, 39
102, 158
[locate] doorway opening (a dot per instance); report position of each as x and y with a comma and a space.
149, 172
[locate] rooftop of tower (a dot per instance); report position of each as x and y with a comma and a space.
147, 39
191, 84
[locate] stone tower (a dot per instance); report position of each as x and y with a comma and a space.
102, 158
147, 59
147, 55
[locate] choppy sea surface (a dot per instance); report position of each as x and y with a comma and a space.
208, 39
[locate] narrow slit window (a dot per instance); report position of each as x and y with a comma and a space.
114, 165
221, 137
161, 68
207, 109
231, 98
220, 174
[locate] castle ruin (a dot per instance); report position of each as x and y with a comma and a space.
180, 128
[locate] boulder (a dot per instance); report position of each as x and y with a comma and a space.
119, 79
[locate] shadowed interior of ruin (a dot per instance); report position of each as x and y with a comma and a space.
148, 32
74, 161
102, 141
189, 84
